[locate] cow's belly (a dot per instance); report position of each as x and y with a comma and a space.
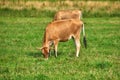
63, 39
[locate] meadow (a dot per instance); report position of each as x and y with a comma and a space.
21, 31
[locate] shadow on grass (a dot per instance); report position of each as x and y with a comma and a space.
62, 53
52, 53
35, 54
42, 77
40, 55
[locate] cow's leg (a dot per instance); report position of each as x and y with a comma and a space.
55, 47
49, 52
51, 44
77, 43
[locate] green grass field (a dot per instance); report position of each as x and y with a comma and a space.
19, 59
22, 25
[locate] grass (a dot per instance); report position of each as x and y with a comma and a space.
19, 59
22, 27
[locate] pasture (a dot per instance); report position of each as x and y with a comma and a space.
22, 31
19, 58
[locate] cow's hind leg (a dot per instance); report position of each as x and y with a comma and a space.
77, 43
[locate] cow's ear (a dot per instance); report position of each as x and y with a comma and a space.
40, 48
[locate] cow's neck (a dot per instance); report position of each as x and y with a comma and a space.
45, 41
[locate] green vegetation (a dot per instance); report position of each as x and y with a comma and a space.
19, 58
27, 8
21, 31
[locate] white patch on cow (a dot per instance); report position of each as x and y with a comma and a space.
70, 37
50, 43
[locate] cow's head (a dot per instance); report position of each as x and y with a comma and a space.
45, 51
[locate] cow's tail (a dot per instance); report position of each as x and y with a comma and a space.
84, 37
81, 16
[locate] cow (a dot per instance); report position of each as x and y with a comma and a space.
61, 31
67, 14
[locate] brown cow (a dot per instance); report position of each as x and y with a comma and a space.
60, 31
68, 14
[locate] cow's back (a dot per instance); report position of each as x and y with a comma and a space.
68, 14
62, 29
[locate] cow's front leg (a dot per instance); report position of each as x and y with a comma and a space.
50, 52
77, 43
51, 47
55, 47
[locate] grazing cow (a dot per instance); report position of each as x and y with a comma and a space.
60, 31
68, 14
